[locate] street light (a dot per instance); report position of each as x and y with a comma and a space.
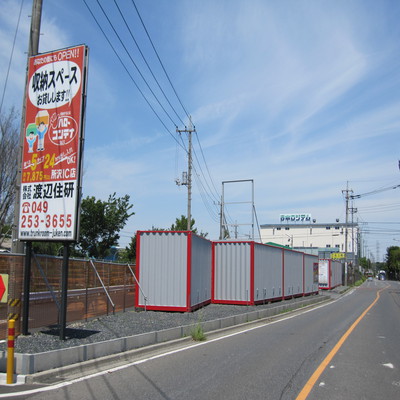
290, 239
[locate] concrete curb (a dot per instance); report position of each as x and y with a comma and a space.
120, 348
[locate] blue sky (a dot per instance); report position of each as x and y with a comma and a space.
299, 96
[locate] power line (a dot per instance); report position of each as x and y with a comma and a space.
204, 192
129, 74
135, 65
11, 56
357, 196
159, 59
147, 64
208, 171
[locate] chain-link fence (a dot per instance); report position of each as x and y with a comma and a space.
94, 289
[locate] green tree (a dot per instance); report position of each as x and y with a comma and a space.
393, 262
101, 222
9, 141
181, 225
365, 263
49, 248
129, 254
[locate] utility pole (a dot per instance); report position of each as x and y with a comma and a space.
347, 197
188, 182
33, 49
353, 210
17, 245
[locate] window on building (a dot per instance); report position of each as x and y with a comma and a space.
337, 227
328, 227
328, 245
337, 246
287, 228
278, 229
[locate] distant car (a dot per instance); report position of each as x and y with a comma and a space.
370, 278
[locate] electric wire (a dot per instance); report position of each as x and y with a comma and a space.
208, 171
135, 65
208, 186
358, 196
11, 56
177, 96
204, 188
159, 59
202, 191
147, 64
129, 74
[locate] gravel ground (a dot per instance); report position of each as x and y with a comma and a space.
124, 324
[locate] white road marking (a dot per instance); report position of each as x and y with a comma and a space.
389, 365
121, 367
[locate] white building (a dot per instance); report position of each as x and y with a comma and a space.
299, 231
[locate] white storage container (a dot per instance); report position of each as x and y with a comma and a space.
310, 274
245, 272
173, 270
330, 273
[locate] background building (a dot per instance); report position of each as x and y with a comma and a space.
301, 232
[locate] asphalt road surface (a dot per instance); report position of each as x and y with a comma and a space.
346, 349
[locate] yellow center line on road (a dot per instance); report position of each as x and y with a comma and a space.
318, 372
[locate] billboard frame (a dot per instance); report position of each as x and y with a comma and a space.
52, 153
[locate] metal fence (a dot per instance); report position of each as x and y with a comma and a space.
94, 289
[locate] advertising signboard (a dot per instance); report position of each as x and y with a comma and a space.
338, 256
52, 151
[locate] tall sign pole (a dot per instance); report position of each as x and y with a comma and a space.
16, 244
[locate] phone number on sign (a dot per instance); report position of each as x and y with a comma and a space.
54, 221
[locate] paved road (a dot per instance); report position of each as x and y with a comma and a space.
367, 366
272, 361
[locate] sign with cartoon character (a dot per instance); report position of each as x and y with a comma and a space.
52, 152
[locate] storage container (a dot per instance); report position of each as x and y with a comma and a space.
330, 273
173, 270
310, 274
245, 272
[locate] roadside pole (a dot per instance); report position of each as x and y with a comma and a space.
33, 49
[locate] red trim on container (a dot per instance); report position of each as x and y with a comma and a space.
239, 303
304, 274
189, 267
164, 308
330, 273
234, 241
251, 273
283, 274
137, 290
213, 247
197, 306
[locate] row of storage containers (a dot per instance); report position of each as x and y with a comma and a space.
180, 271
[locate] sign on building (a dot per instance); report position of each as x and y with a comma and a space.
338, 256
295, 217
52, 150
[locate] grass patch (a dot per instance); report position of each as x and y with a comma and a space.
197, 333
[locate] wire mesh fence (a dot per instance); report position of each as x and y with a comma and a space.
94, 288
